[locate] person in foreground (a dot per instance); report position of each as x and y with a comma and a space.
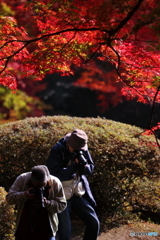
39, 196
71, 162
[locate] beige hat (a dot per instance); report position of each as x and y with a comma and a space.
77, 140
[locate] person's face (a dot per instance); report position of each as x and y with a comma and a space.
71, 149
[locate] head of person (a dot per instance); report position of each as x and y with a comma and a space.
77, 140
40, 176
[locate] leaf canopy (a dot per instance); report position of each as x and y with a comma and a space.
48, 36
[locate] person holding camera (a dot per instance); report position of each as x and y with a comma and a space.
39, 196
71, 162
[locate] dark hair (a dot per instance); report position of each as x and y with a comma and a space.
40, 174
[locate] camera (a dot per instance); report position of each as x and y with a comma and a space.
39, 197
80, 156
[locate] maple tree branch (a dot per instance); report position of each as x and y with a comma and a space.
65, 45
119, 74
151, 119
27, 42
52, 34
137, 135
94, 53
156, 138
153, 107
10, 56
127, 18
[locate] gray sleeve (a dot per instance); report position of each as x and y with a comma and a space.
16, 193
57, 201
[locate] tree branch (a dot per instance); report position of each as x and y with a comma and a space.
127, 18
119, 74
153, 107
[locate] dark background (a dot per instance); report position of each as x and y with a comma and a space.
68, 99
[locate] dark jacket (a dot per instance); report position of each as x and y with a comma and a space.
57, 164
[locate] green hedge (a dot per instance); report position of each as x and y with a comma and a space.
122, 159
7, 218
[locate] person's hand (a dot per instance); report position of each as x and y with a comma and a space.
76, 161
45, 201
29, 195
77, 166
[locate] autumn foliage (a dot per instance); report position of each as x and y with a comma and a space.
38, 38
54, 35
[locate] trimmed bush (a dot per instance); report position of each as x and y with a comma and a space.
148, 208
7, 218
123, 159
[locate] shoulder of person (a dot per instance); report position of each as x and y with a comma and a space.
24, 175
54, 179
60, 145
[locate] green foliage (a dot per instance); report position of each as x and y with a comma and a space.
5, 10
18, 105
7, 218
148, 207
123, 161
